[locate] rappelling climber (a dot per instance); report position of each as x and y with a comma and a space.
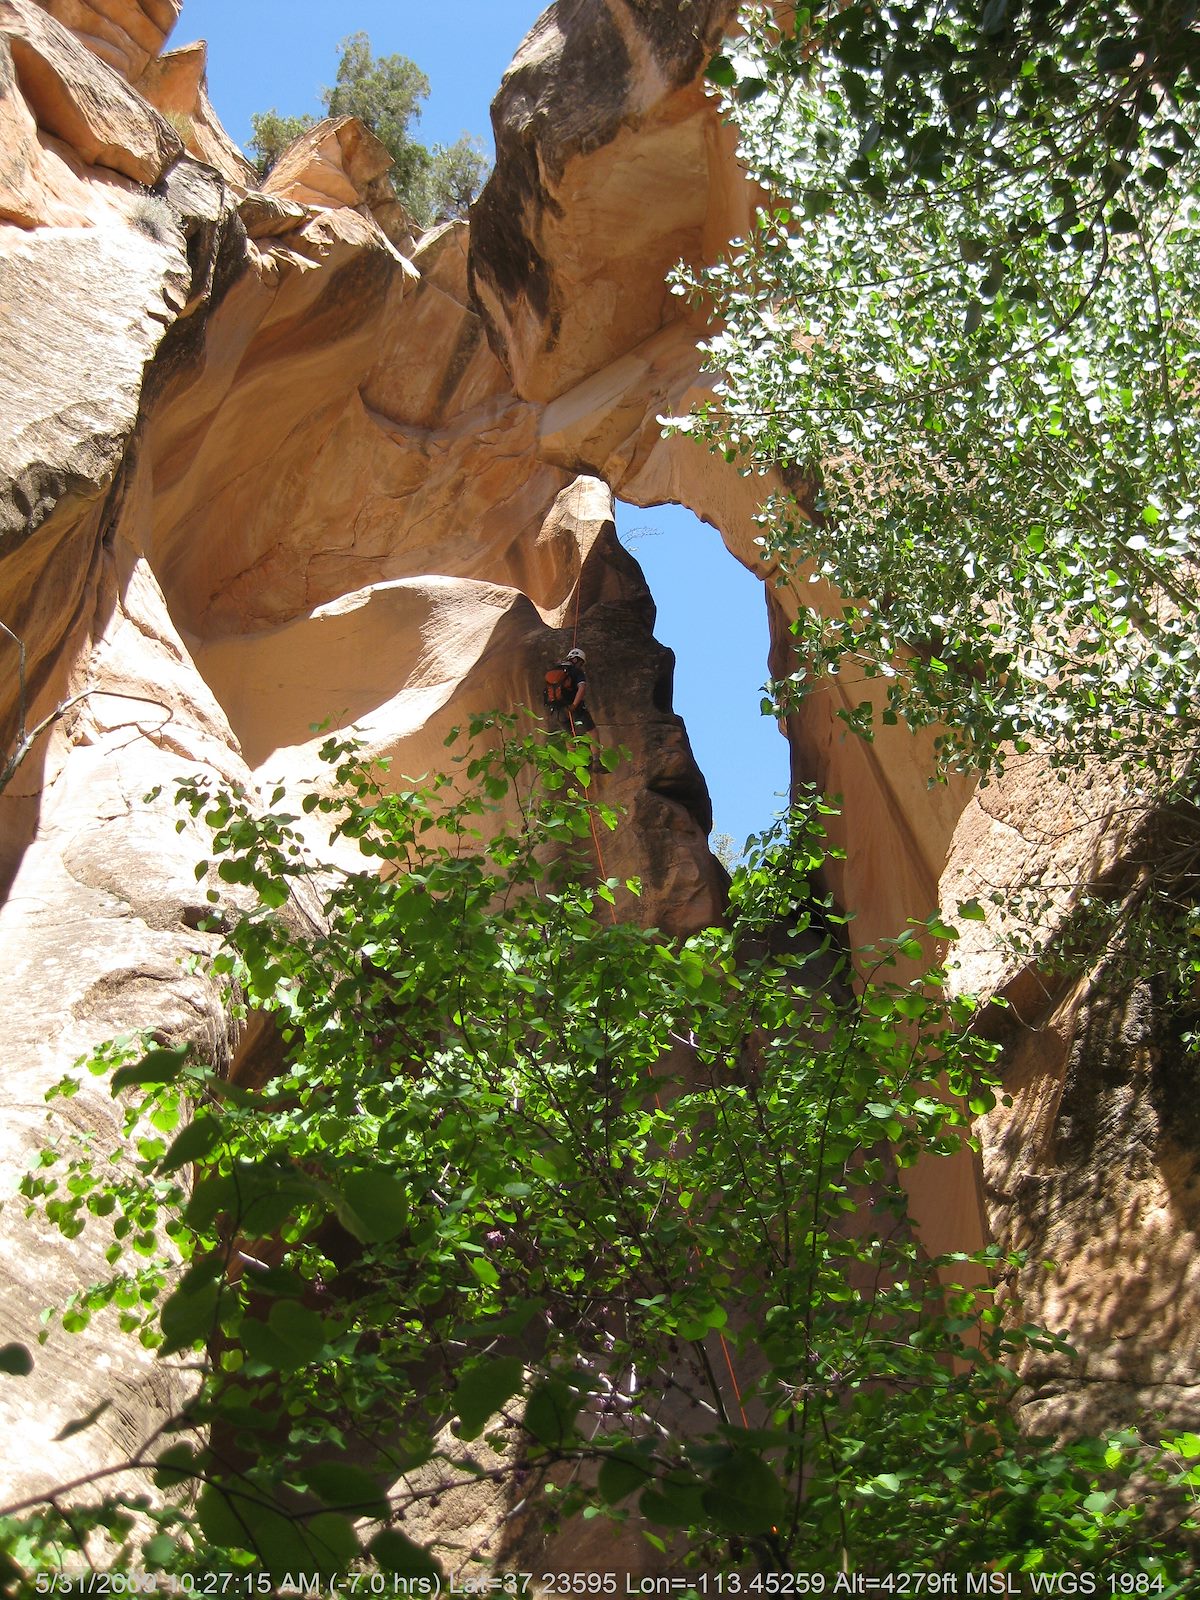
565, 693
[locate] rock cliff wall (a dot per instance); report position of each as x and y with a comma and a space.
266, 459
260, 468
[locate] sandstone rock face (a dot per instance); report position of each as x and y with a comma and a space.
339, 162
443, 648
1093, 1170
259, 468
98, 920
601, 98
177, 85
127, 34
97, 115
265, 459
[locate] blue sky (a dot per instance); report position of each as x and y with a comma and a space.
282, 53
713, 614
279, 54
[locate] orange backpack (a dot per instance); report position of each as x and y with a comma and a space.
560, 686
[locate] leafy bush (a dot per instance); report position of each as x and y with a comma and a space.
963, 336
628, 1208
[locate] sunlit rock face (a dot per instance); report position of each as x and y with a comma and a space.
259, 467
593, 200
177, 85
604, 131
339, 162
127, 34
265, 460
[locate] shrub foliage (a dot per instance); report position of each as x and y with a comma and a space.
533, 1194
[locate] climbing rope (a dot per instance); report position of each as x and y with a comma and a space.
578, 593
612, 912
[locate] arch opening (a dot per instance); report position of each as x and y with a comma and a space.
712, 614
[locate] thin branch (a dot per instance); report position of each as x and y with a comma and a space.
26, 740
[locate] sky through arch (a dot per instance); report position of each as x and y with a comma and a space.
713, 615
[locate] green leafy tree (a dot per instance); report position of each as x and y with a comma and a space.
456, 175
386, 93
272, 133
966, 332
628, 1208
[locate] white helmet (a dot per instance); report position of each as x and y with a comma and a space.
576, 655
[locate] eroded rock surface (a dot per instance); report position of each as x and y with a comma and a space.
259, 467
177, 85
127, 34
95, 114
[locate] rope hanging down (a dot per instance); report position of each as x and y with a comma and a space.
612, 912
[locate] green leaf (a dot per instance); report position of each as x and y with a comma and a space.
238, 1521
721, 71
373, 1205
264, 1280
214, 1194
483, 1389
155, 1067
344, 1487
484, 1271
744, 1495
260, 1195
674, 1501
400, 1558
513, 1321
623, 1473
550, 1413
157, 1552
187, 1318
291, 1338
284, 1541
193, 1143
